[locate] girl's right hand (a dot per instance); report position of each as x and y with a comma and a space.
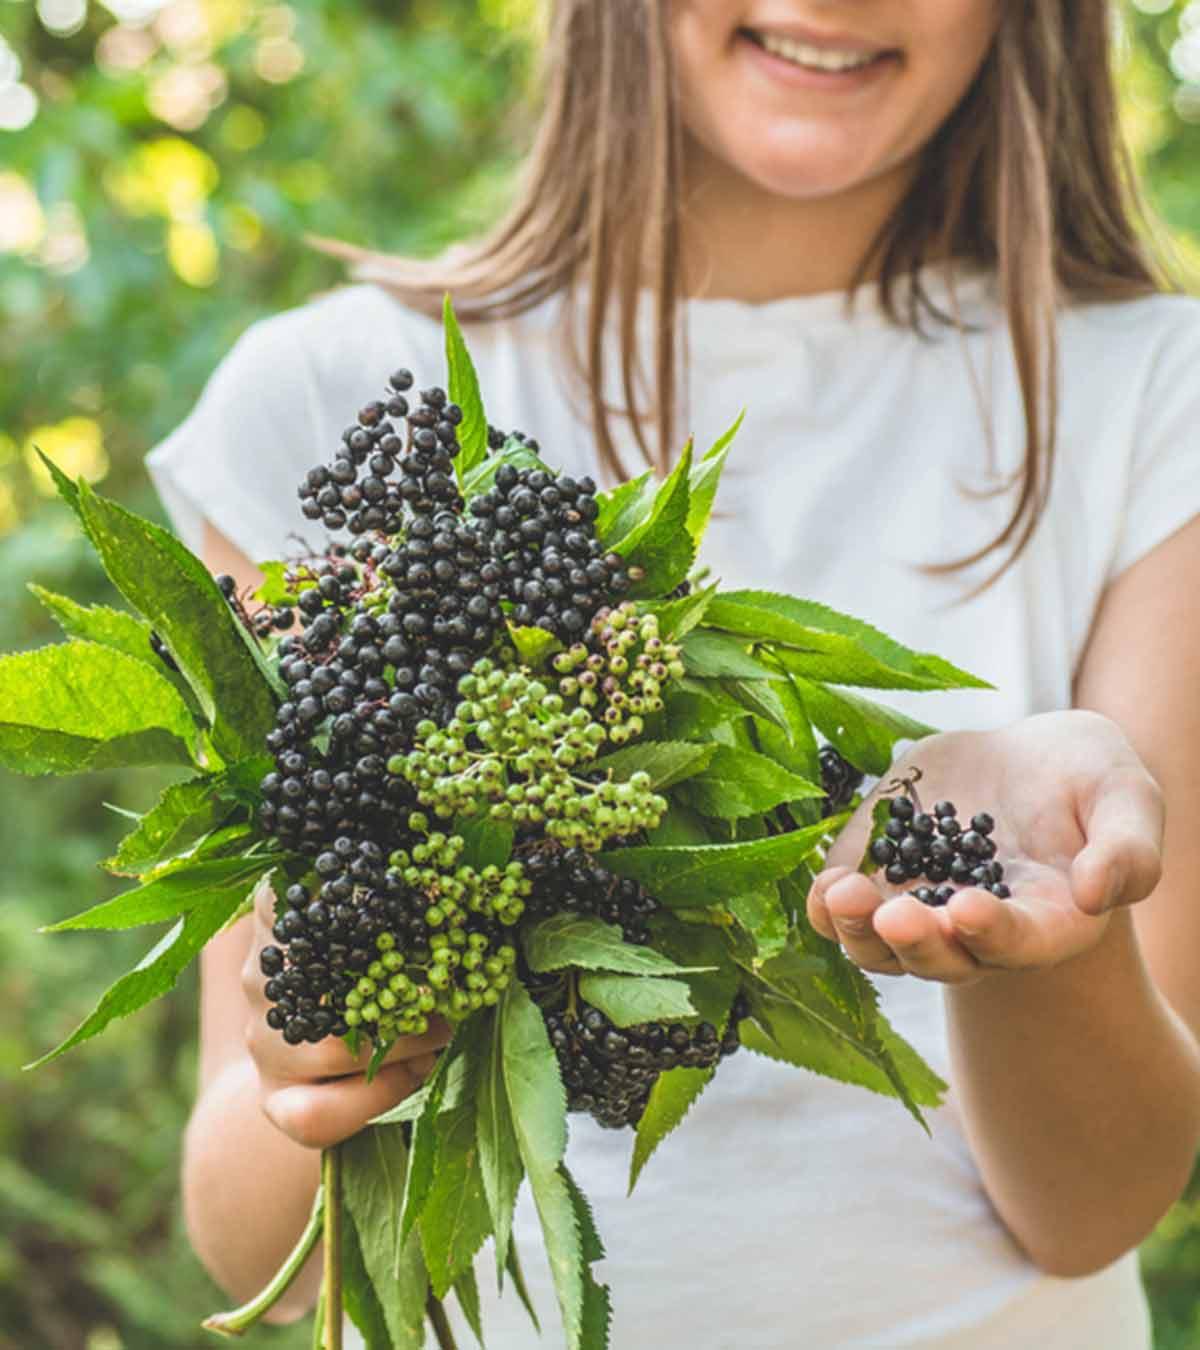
318, 1094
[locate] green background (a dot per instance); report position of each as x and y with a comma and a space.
150, 210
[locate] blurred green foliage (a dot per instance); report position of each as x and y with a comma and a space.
152, 207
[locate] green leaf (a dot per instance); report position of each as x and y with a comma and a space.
671, 1098
881, 813
694, 709
275, 589
693, 877
531, 1077
425, 1142
761, 699
159, 968
740, 783
100, 623
79, 706
463, 387
762, 915
680, 825
455, 1220
712, 976
661, 545
591, 944
810, 1022
466, 1291
482, 477
66, 489
499, 1155
705, 478
183, 815
863, 731
360, 1300
374, 1163
173, 589
833, 646
680, 616
628, 1000
711, 655
666, 762
167, 896
533, 645
538, 1105
626, 509
564, 1251
485, 841
517, 1275
597, 1303
795, 747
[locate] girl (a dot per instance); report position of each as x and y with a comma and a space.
898, 233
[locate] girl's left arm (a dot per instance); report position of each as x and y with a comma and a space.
1075, 1040
1081, 1083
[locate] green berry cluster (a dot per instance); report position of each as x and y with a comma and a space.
618, 671
514, 750
459, 971
455, 890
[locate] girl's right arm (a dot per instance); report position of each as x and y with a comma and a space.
265, 1109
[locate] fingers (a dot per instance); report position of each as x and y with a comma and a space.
897, 936
317, 1115
841, 905
306, 1063
923, 943
1122, 860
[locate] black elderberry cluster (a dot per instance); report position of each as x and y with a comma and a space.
378, 470
541, 530
317, 796
935, 846
609, 1071
840, 779
570, 880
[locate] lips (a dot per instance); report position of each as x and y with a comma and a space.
818, 51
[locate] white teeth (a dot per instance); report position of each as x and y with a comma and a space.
818, 58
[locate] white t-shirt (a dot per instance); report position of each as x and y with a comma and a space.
789, 1210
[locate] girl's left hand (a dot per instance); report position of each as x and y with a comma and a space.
1079, 826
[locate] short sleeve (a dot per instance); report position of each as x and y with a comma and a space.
237, 457
1162, 492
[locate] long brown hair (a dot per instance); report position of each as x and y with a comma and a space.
1029, 176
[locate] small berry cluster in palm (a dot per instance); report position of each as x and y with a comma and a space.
935, 846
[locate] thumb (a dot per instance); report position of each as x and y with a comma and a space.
1121, 863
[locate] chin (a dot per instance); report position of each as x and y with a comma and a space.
805, 175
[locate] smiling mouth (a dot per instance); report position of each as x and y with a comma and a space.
808, 57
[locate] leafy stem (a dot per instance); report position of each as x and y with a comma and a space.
440, 1323
236, 1322
331, 1182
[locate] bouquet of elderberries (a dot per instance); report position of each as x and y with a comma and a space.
504, 760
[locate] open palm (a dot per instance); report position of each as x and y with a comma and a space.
1079, 825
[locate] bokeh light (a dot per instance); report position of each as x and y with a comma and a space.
22, 220
75, 444
183, 96
192, 252
122, 48
18, 106
63, 18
